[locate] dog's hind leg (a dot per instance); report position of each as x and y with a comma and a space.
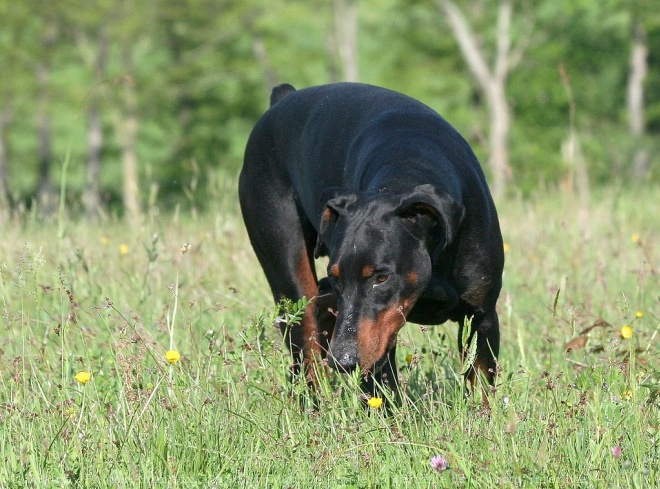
484, 363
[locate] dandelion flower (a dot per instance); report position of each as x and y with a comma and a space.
616, 451
635, 238
375, 402
123, 249
626, 332
172, 356
83, 377
409, 358
639, 314
439, 463
507, 247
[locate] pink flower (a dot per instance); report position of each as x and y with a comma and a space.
439, 463
616, 451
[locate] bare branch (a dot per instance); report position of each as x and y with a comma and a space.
518, 50
503, 39
467, 42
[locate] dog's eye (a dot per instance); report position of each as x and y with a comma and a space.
381, 278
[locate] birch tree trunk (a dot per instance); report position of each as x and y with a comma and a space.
491, 82
635, 99
127, 129
45, 196
91, 194
5, 120
578, 176
345, 38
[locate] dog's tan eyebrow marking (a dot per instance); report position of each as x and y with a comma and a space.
412, 277
368, 271
334, 270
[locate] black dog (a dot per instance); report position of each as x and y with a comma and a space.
394, 196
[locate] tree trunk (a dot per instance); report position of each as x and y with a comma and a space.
45, 196
346, 37
499, 138
127, 127
91, 194
260, 54
128, 136
638, 71
491, 82
5, 120
578, 175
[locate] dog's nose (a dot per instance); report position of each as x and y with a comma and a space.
343, 359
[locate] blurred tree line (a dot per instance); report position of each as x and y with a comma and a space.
127, 103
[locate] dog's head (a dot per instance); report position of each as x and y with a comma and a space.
379, 248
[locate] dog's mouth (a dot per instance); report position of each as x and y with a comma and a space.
379, 365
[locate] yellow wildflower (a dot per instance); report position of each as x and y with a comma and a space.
172, 356
626, 332
627, 394
639, 314
409, 358
105, 240
636, 238
123, 249
83, 377
375, 402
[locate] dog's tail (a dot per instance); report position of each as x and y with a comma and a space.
279, 92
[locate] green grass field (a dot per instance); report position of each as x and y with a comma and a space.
110, 300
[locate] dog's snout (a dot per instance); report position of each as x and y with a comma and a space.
343, 358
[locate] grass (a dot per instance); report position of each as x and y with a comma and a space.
110, 300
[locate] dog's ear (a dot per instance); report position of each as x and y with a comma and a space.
279, 92
336, 203
429, 214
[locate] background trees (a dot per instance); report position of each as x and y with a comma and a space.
153, 99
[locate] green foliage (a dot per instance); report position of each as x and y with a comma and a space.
202, 70
109, 300
291, 313
471, 345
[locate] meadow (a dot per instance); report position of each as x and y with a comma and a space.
576, 403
